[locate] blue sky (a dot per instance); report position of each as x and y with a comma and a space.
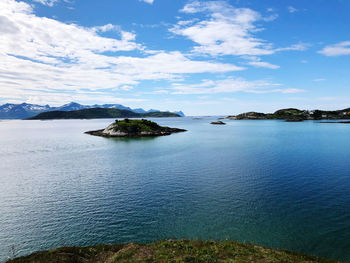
202, 57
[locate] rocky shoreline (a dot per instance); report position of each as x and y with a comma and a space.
169, 251
294, 115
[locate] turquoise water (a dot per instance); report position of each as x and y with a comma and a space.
278, 184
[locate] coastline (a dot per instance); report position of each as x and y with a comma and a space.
169, 251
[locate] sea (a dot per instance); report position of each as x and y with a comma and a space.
278, 184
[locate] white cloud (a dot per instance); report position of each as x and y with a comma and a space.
168, 63
126, 87
262, 64
318, 80
107, 27
284, 91
10, 7
257, 62
226, 30
46, 2
50, 2
58, 98
292, 9
294, 47
339, 49
231, 85
147, 1
270, 18
40, 56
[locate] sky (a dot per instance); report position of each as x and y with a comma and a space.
201, 57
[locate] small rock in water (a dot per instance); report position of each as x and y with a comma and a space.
218, 123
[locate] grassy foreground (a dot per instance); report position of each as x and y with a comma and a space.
168, 251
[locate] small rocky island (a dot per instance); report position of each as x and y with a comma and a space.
217, 123
134, 128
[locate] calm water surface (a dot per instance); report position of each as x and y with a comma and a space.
278, 184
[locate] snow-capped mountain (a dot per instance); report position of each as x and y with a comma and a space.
69, 107
25, 110
21, 111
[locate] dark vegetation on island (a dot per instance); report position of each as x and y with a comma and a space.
100, 113
169, 251
294, 115
348, 122
134, 128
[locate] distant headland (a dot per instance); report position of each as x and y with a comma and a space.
292, 114
134, 128
100, 113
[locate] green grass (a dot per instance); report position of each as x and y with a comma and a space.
172, 251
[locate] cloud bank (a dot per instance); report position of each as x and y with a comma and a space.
43, 57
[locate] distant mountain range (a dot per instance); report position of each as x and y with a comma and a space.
25, 110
